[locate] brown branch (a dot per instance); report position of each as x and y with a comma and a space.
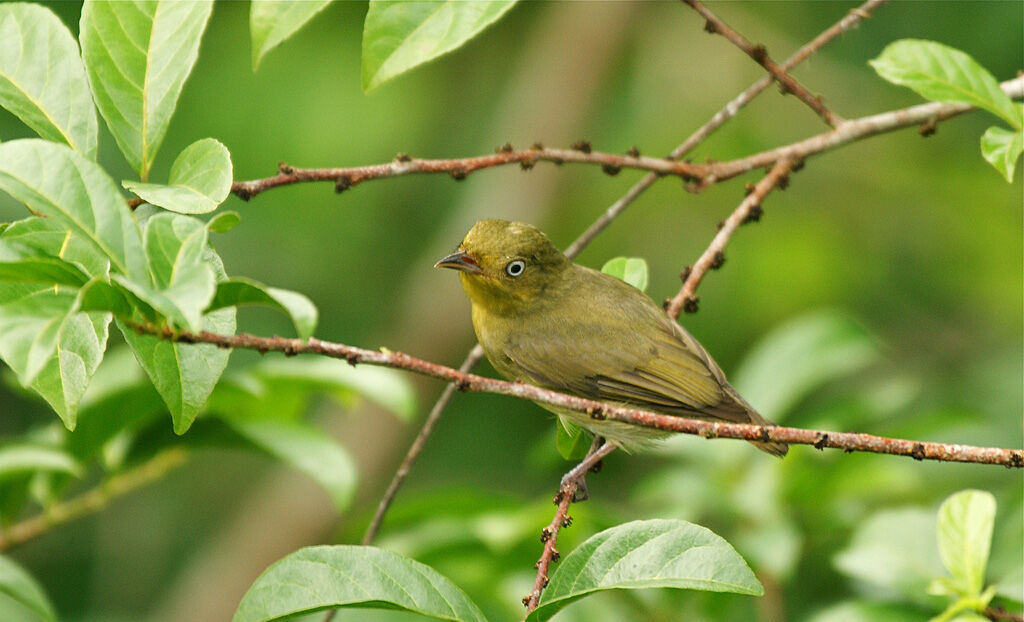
848, 441
787, 83
749, 209
91, 500
998, 614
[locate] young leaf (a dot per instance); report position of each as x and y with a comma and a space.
643, 554
223, 222
22, 458
199, 181
42, 80
21, 597
77, 194
965, 535
632, 270
137, 56
1002, 148
240, 291
305, 448
941, 73
271, 22
317, 578
183, 374
398, 36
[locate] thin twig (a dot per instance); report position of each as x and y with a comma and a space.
715, 254
93, 499
786, 82
848, 441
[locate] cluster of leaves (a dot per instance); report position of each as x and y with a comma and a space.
941, 73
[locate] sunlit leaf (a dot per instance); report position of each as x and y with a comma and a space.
1002, 148
42, 80
632, 270
271, 22
21, 597
646, 554
240, 291
223, 222
941, 73
398, 36
137, 56
19, 458
199, 181
317, 578
965, 536
50, 239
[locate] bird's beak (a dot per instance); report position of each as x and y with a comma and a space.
459, 260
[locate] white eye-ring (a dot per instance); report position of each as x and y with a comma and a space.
515, 267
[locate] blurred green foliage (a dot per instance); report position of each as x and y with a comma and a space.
914, 240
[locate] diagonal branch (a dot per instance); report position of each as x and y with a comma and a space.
820, 439
758, 52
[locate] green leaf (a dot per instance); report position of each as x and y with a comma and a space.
317, 578
856, 611
801, 355
308, 449
21, 597
31, 316
632, 270
965, 535
1012, 585
240, 291
645, 554
183, 279
199, 181
571, 442
1002, 147
271, 22
893, 551
20, 458
223, 222
42, 80
941, 73
137, 56
184, 374
48, 238
77, 194
398, 36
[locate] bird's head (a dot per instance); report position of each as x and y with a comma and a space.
505, 266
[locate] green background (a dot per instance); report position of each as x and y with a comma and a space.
919, 240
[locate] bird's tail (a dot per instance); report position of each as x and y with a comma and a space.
775, 448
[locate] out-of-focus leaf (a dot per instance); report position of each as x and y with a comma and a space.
317, 578
570, 440
1002, 148
941, 73
305, 448
223, 222
240, 291
42, 80
632, 270
855, 611
137, 56
895, 552
799, 356
199, 181
20, 458
61, 184
1012, 585
398, 36
21, 597
643, 554
965, 536
271, 22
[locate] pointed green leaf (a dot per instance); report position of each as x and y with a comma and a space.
77, 194
941, 73
240, 291
318, 578
223, 222
308, 449
42, 80
271, 22
965, 535
1002, 148
632, 270
21, 597
398, 36
184, 374
137, 56
48, 238
31, 315
20, 458
644, 554
199, 181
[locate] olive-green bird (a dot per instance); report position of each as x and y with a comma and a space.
544, 320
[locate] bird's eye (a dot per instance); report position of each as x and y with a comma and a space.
515, 267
